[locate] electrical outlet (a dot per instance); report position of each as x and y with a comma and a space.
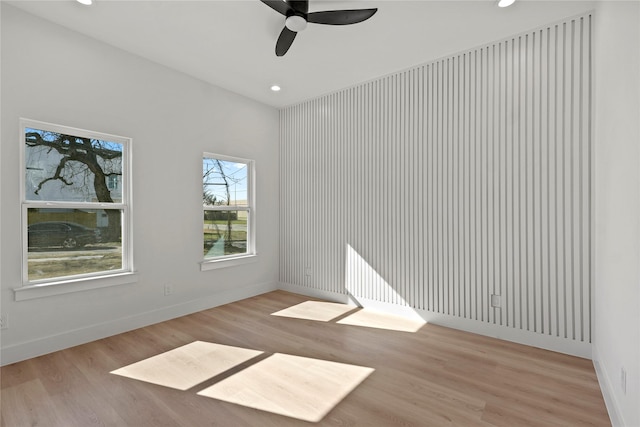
4, 321
495, 301
623, 380
168, 290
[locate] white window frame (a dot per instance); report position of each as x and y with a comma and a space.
65, 284
250, 255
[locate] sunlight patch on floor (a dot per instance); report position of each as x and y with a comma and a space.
315, 310
375, 319
327, 311
187, 366
293, 386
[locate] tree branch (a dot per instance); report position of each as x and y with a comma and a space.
56, 176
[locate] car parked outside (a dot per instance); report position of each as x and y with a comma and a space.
68, 235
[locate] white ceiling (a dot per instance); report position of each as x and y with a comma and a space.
230, 43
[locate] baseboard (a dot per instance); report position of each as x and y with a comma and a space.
606, 386
533, 339
27, 350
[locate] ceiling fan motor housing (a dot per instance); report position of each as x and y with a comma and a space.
296, 23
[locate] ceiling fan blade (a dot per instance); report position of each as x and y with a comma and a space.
284, 41
301, 6
341, 17
279, 6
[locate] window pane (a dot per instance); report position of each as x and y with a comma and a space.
68, 242
225, 233
224, 183
71, 168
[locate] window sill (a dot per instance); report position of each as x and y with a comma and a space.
227, 262
28, 292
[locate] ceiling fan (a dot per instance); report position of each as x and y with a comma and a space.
297, 16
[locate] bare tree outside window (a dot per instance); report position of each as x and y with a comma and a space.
226, 206
69, 168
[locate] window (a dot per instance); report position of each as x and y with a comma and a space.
112, 182
227, 201
75, 205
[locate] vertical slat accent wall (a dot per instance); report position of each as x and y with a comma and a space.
447, 183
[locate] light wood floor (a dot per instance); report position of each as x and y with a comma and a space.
218, 365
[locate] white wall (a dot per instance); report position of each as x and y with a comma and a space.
55, 75
616, 343
436, 187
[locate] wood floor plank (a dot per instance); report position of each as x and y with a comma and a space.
29, 404
434, 376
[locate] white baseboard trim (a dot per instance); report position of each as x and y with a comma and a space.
27, 350
606, 386
533, 339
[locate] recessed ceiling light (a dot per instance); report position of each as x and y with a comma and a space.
275, 88
505, 3
85, 2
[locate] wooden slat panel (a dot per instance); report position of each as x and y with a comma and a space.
438, 186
